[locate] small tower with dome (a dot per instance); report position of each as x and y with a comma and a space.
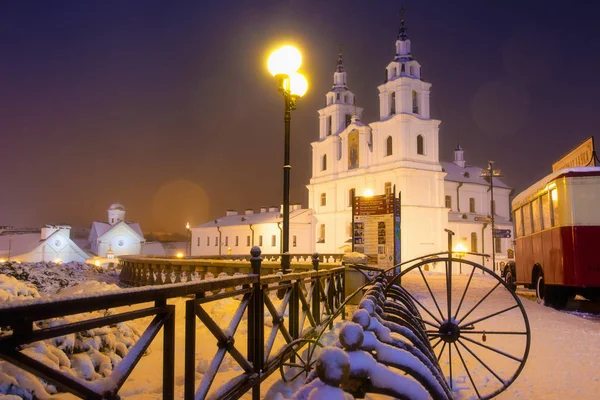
116, 213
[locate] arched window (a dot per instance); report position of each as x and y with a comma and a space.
420, 145
472, 204
449, 202
388, 146
323, 199
415, 100
393, 103
324, 162
474, 242
329, 125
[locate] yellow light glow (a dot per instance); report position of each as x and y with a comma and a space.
554, 195
58, 261
368, 193
2, 260
298, 84
97, 263
460, 248
180, 255
187, 225
285, 60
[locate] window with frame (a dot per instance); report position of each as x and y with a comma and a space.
351, 194
388, 146
329, 125
216, 240
448, 200
226, 240
415, 101
498, 245
323, 199
324, 162
420, 145
387, 188
248, 240
472, 204
536, 214
474, 242
527, 219
273, 240
393, 103
208, 240
260, 241
518, 222
554, 200
294, 241
237, 241
546, 217
337, 96
322, 233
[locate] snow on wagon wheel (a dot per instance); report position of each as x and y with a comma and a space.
477, 327
304, 362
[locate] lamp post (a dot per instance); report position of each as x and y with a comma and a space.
491, 173
189, 241
460, 251
283, 64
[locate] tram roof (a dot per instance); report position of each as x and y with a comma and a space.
540, 185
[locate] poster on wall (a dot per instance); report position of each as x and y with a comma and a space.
376, 229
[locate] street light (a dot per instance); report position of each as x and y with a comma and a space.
491, 173
189, 243
283, 64
460, 251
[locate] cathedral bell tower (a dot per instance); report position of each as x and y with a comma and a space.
337, 114
403, 91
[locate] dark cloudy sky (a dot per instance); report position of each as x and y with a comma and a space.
168, 107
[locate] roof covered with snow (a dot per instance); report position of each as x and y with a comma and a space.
468, 174
542, 183
100, 228
257, 218
19, 243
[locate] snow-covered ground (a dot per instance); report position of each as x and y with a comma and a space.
564, 358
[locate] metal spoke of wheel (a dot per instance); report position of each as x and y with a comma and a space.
428, 323
436, 344
293, 365
489, 316
449, 292
298, 374
450, 362
482, 363
424, 308
431, 293
493, 349
480, 301
465, 292
441, 351
464, 332
467, 370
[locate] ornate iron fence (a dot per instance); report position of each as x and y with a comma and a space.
311, 299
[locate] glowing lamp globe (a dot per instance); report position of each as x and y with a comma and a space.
179, 255
368, 193
460, 248
285, 60
298, 84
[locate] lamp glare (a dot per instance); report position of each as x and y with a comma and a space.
285, 60
298, 84
368, 193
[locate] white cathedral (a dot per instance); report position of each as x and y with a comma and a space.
350, 158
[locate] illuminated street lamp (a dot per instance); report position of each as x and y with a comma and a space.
460, 251
189, 242
491, 173
283, 64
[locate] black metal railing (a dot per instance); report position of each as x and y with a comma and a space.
311, 299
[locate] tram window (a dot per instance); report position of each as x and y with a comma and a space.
527, 219
518, 222
547, 221
554, 199
537, 218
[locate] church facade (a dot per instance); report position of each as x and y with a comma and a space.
398, 152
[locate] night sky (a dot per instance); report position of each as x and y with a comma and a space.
167, 107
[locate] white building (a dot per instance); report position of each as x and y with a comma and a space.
237, 233
116, 235
399, 150
52, 244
